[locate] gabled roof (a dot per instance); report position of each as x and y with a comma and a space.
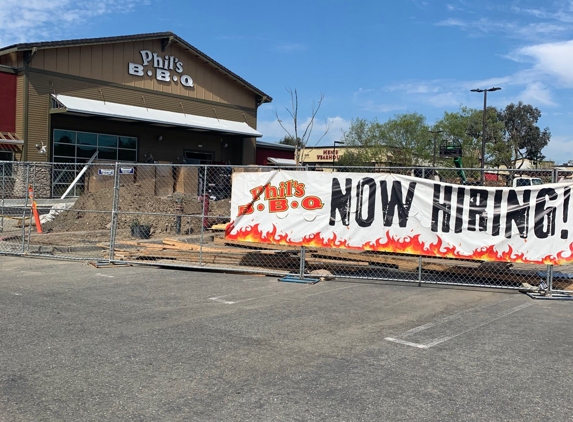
167, 37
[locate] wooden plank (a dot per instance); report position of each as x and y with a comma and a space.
189, 246
274, 260
403, 264
219, 227
257, 245
337, 263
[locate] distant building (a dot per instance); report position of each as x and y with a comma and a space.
269, 154
325, 155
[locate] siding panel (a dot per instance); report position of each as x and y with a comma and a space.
117, 65
75, 60
50, 61
62, 60
85, 62
96, 59
107, 59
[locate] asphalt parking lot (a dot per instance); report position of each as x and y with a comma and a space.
80, 343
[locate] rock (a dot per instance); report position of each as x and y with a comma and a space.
322, 274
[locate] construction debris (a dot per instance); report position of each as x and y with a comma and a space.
319, 262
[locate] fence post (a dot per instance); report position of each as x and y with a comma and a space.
31, 184
2, 198
554, 179
302, 263
204, 198
420, 271
114, 211
25, 193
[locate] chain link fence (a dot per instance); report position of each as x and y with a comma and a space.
176, 215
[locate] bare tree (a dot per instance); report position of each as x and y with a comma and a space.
302, 139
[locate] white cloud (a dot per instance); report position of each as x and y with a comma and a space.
518, 79
514, 29
37, 20
374, 107
537, 93
415, 88
555, 59
444, 100
481, 26
372, 100
559, 149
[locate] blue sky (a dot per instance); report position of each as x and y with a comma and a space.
370, 58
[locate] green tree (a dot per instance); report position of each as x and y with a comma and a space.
466, 126
402, 140
368, 147
522, 139
290, 140
408, 138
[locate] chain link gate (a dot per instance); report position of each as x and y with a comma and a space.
176, 215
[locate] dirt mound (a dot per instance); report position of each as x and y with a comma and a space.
93, 211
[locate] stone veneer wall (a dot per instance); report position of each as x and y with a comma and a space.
39, 175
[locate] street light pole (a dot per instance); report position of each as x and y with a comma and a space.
435, 132
483, 135
334, 152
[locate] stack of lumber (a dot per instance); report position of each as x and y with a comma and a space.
232, 253
177, 250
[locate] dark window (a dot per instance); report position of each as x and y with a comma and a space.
196, 157
77, 148
6, 168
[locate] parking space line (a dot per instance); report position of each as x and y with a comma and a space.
461, 330
218, 299
250, 299
332, 290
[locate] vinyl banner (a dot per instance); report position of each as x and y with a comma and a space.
393, 213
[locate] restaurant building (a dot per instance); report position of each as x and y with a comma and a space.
139, 98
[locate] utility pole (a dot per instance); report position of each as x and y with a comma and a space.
434, 133
483, 135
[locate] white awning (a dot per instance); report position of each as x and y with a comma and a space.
282, 161
153, 116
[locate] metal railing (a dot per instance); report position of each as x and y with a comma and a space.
175, 215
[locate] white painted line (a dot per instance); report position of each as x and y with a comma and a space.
332, 290
105, 275
440, 340
218, 299
407, 343
503, 314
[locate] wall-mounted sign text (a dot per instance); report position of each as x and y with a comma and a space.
166, 68
126, 170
